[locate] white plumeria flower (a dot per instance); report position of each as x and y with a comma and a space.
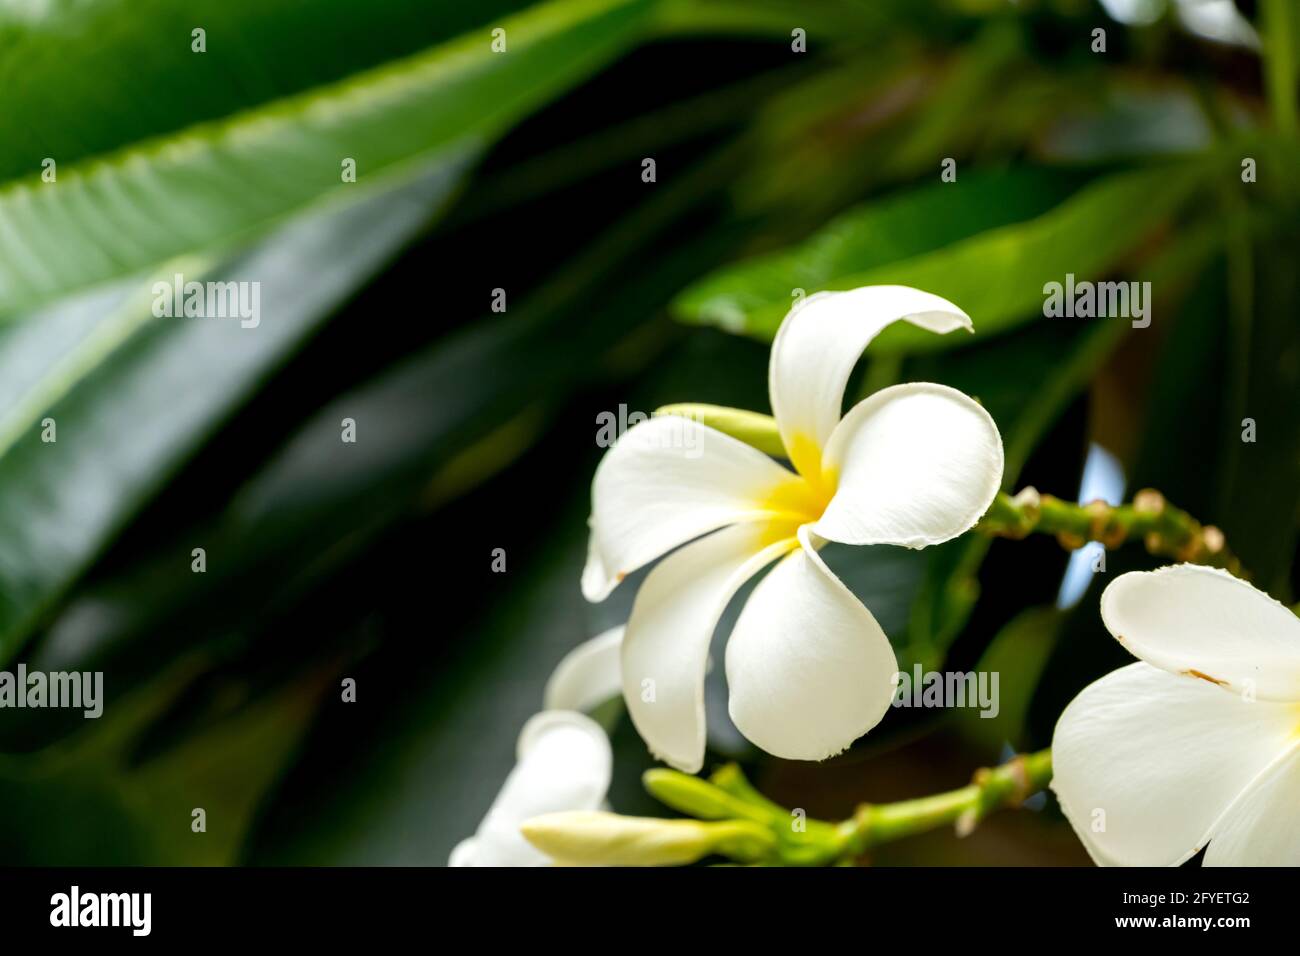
1201, 742
564, 759
808, 667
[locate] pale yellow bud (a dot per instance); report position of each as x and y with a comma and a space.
592, 838
753, 428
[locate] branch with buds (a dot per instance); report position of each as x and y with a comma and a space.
733, 820
1163, 529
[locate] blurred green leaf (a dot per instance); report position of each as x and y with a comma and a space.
95, 803
219, 182
317, 500
1260, 479
1281, 24
132, 395
457, 691
996, 275
895, 228
445, 738
125, 70
1017, 654
829, 19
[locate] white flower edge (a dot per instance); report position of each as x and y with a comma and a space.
564, 762
563, 758
588, 675
1199, 743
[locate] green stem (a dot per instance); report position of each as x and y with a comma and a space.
1279, 20
1163, 529
1008, 785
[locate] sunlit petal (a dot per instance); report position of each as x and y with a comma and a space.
817, 346
667, 481
588, 675
666, 648
808, 668
1146, 763
1205, 623
914, 464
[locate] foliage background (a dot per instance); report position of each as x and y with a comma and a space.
521, 171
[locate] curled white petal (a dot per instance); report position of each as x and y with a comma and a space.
820, 341
666, 648
1207, 624
808, 668
669, 480
1146, 763
916, 465
564, 763
588, 675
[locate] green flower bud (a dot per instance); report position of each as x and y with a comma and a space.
697, 797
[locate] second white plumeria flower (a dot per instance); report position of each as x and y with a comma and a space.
808, 668
1199, 742
564, 761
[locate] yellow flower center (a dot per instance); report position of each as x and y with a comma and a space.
804, 497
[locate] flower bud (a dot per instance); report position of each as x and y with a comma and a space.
753, 428
697, 797
590, 838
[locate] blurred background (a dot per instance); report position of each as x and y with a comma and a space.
795, 145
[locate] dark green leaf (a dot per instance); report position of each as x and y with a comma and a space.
131, 395
996, 275
216, 183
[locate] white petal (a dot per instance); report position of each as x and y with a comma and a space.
1263, 827
588, 675
669, 480
916, 465
1146, 762
666, 648
1200, 621
820, 341
808, 668
464, 853
564, 763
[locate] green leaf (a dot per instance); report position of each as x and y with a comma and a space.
834, 18
997, 275
893, 229
1281, 23
455, 702
1018, 654
317, 501
82, 78
99, 802
1260, 479
222, 181
131, 395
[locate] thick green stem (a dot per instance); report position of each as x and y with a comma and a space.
1163, 529
991, 789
